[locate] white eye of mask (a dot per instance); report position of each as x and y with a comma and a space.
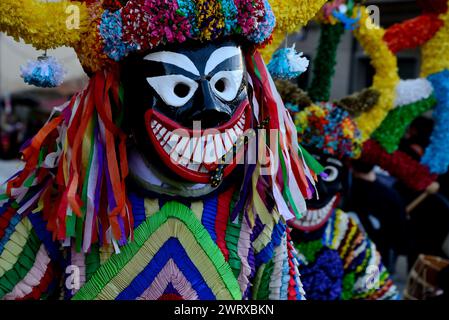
226, 84
175, 90
332, 173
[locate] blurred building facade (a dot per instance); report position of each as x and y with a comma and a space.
353, 71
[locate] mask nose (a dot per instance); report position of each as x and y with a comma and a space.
213, 118
213, 112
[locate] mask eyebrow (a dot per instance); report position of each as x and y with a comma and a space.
220, 55
177, 59
335, 161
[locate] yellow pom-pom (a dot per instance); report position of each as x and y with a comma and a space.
290, 15
384, 62
434, 54
44, 25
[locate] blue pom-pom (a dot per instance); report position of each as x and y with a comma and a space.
348, 22
230, 13
45, 72
436, 156
286, 63
266, 27
111, 31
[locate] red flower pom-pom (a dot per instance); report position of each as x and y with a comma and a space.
399, 164
412, 33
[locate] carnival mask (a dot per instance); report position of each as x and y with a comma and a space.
329, 185
188, 105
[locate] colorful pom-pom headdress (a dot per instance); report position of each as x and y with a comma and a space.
105, 31
329, 129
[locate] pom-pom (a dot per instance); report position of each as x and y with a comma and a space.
322, 280
394, 126
348, 22
434, 57
412, 33
324, 62
436, 156
287, 63
111, 32
329, 129
359, 102
399, 164
385, 78
292, 95
411, 91
265, 27
45, 72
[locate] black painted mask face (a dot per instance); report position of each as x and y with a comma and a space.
172, 94
328, 187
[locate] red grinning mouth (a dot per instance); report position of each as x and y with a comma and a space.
194, 153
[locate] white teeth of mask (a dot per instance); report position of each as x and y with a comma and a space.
315, 217
179, 149
209, 154
219, 147
227, 141
238, 130
193, 152
190, 148
198, 155
173, 141
193, 166
232, 135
